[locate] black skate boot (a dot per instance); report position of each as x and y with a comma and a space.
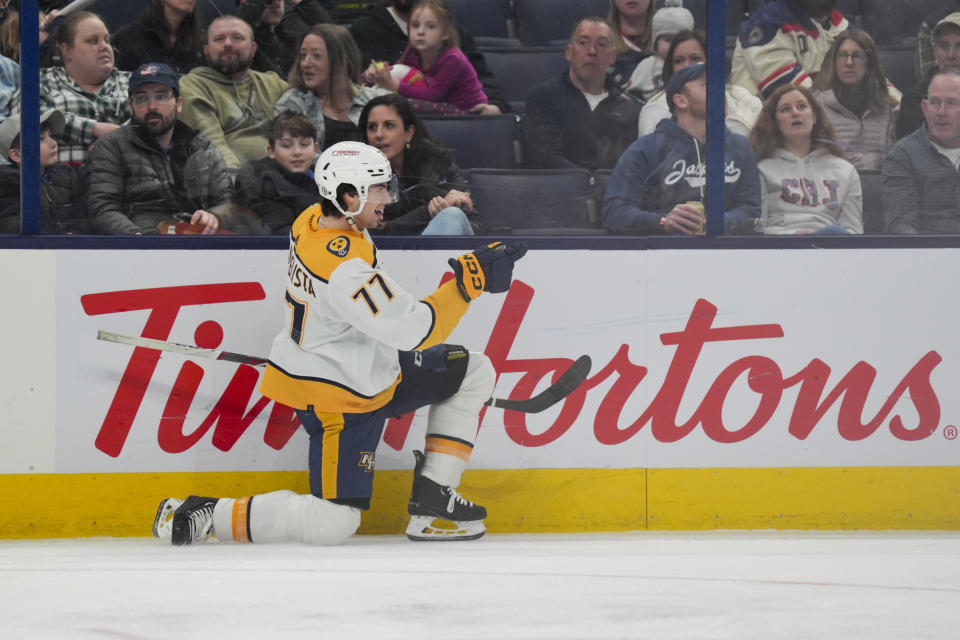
186, 522
430, 500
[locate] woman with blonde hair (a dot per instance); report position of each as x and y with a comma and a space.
632, 25
859, 102
806, 185
325, 84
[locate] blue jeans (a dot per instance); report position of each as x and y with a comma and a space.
833, 229
451, 221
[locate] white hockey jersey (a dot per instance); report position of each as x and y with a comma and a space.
346, 320
780, 44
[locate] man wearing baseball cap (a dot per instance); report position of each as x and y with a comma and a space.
155, 169
659, 183
946, 53
62, 205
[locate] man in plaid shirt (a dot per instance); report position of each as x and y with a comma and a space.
88, 90
921, 179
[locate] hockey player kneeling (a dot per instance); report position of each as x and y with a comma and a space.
356, 349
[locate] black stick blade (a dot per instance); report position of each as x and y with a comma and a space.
564, 386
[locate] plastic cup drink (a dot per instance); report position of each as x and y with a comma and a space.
696, 204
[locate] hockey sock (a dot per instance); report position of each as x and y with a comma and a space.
231, 520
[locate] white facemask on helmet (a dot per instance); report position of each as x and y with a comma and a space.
356, 164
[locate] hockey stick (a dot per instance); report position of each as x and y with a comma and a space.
568, 382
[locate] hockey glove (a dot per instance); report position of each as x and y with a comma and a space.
488, 268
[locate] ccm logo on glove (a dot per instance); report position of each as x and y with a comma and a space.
488, 268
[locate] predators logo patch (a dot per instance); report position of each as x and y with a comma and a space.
339, 246
367, 461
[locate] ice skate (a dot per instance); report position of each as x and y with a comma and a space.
188, 521
430, 500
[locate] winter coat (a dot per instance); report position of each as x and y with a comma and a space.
275, 194
277, 48
809, 193
63, 207
234, 116
140, 41
380, 38
436, 176
134, 184
865, 139
560, 131
668, 168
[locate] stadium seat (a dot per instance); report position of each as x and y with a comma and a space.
483, 18
601, 179
898, 64
873, 221
532, 202
897, 21
542, 23
478, 141
518, 70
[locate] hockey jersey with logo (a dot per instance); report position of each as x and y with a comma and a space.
781, 44
667, 168
346, 320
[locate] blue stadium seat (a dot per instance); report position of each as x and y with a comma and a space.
873, 221
518, 70
549, 22
532, 202
483, 18
601, 180
478, 141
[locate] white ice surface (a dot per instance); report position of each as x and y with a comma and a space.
636, 585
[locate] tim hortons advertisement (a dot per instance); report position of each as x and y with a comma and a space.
700, 359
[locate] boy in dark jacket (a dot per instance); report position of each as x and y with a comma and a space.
62, 208
279, 187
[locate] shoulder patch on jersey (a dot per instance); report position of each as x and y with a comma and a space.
339, 246
755, 36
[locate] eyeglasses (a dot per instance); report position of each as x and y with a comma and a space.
856, 57
140, 99
937, 103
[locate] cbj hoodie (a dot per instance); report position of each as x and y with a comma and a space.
809, 193
667, 168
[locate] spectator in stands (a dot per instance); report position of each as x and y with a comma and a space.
687, 48
346, 12
921, 181
279, 187
581, 118
433, 198
62, 206
10, 28
88, 90
156, 169
168, 31
807, 186
925, 60
946, 53
659, 184
326, 87
646, 79
226, 101
432, 72
785, 42
632, 25
278, 33
381, 33
9, 85
857, 99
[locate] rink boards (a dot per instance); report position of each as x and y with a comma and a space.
796, 389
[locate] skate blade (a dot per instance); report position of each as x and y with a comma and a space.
163, 522
425, 529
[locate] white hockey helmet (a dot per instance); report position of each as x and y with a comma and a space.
353, 163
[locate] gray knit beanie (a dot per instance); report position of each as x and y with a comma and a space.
670, 20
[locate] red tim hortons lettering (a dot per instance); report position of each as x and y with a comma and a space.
164, 304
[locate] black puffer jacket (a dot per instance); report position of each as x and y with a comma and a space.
134, 184
62, 200
436, 175
275, 194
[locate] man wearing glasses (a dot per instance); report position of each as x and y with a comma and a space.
946, 53
155, 169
